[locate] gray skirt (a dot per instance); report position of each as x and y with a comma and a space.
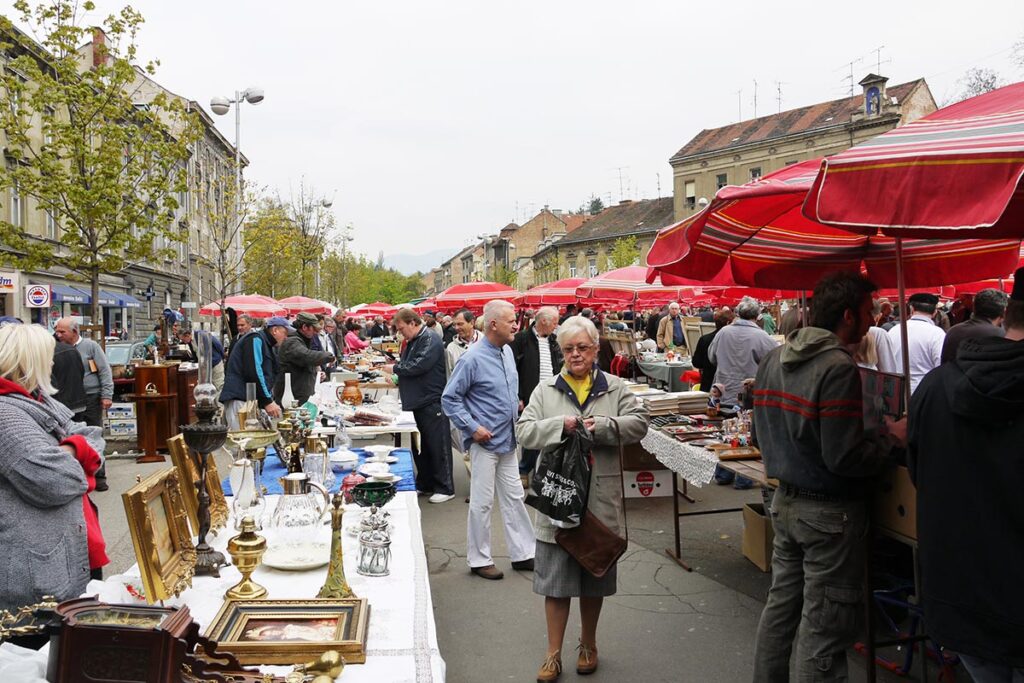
557, 574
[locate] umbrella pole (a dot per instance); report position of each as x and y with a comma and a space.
904, 342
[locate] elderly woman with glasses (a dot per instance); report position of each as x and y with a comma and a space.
580, 392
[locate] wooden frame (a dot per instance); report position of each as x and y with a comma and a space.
159, 528
188, 471
285, 631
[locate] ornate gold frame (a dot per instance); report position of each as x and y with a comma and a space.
160, 579
349, 638
188, 470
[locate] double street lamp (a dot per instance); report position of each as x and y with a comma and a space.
220, 107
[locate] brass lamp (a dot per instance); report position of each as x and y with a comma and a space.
246, 550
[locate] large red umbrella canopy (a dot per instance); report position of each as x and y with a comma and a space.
256, 305
759, 231
370, 310
557, 293
425, 305
629, 285
954, 173
474, 295
304, 304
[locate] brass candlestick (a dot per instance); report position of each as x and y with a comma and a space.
336, 585
246, 549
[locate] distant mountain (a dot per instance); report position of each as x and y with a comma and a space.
407, 264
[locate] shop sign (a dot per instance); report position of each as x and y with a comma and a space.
645, 483
188, 304
8, 282
38, 296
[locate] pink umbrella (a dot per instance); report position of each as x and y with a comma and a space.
304, 304
376, 308
256, 305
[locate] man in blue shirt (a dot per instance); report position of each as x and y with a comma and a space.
482, 401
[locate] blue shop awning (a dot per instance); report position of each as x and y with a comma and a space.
68, 294
127, 301
108, 299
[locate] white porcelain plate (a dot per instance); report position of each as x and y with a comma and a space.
390, 477
370, 469
297, 557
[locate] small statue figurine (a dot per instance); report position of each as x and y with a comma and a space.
336, 585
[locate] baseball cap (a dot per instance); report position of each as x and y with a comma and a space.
276, 321
9, 320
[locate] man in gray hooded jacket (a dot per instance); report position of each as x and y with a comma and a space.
809, 423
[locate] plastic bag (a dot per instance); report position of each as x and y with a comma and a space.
560, 485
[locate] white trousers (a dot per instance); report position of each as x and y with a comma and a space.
496, 473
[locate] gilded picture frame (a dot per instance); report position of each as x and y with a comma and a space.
188, 470
291, 631
159, 528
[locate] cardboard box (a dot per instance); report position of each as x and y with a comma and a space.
896, 503
636, 458
122, 428
647, 483
758, 536
121, 411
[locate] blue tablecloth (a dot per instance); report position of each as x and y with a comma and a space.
273, 470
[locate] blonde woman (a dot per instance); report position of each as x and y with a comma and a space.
579, 392
46, 465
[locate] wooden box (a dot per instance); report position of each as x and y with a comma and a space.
895, 508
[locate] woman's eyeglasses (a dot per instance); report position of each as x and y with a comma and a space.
582, 348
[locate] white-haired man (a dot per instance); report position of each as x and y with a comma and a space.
538, 357
482, 400
670, 329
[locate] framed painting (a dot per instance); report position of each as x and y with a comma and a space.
159, 528
187, 465
291, 631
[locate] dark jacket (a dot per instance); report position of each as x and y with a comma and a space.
652, 325
301, 358
526, 351
421, 372
378, 331
974, 328
253, 359
701, 361
66, 377
808, 408
965, 431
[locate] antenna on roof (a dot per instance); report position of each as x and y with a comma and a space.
658, 176
755, 98
850, 65
778, 94
878, 59
619, 169
739, 104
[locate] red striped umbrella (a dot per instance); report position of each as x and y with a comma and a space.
954, 173
370, 310
304, 304
557, 293
425, 305
759, 232
474, 295
256, 305
629, 285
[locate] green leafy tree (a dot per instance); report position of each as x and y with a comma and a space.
106, 169
310, 213
503, 275
624, 252
595, 205
272, 260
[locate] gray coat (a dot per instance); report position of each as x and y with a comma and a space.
736, 351
42, 528
541, 424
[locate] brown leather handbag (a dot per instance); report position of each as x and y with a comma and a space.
596, 547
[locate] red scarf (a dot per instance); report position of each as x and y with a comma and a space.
90, 461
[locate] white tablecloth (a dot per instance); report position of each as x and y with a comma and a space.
693, 463
402, 641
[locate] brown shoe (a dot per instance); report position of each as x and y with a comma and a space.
525, 478
551, 668
587, 662
489, 572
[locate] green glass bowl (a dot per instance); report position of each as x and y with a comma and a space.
376, 493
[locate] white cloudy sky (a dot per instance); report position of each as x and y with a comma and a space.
430, 121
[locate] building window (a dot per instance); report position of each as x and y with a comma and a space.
51, 225
690, 194
721, 180
572, 270
48, 119
592, 267
16, 205
755, 173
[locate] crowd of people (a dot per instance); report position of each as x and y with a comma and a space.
504, 388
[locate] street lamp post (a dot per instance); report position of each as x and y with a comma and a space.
346, 237
220, 107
